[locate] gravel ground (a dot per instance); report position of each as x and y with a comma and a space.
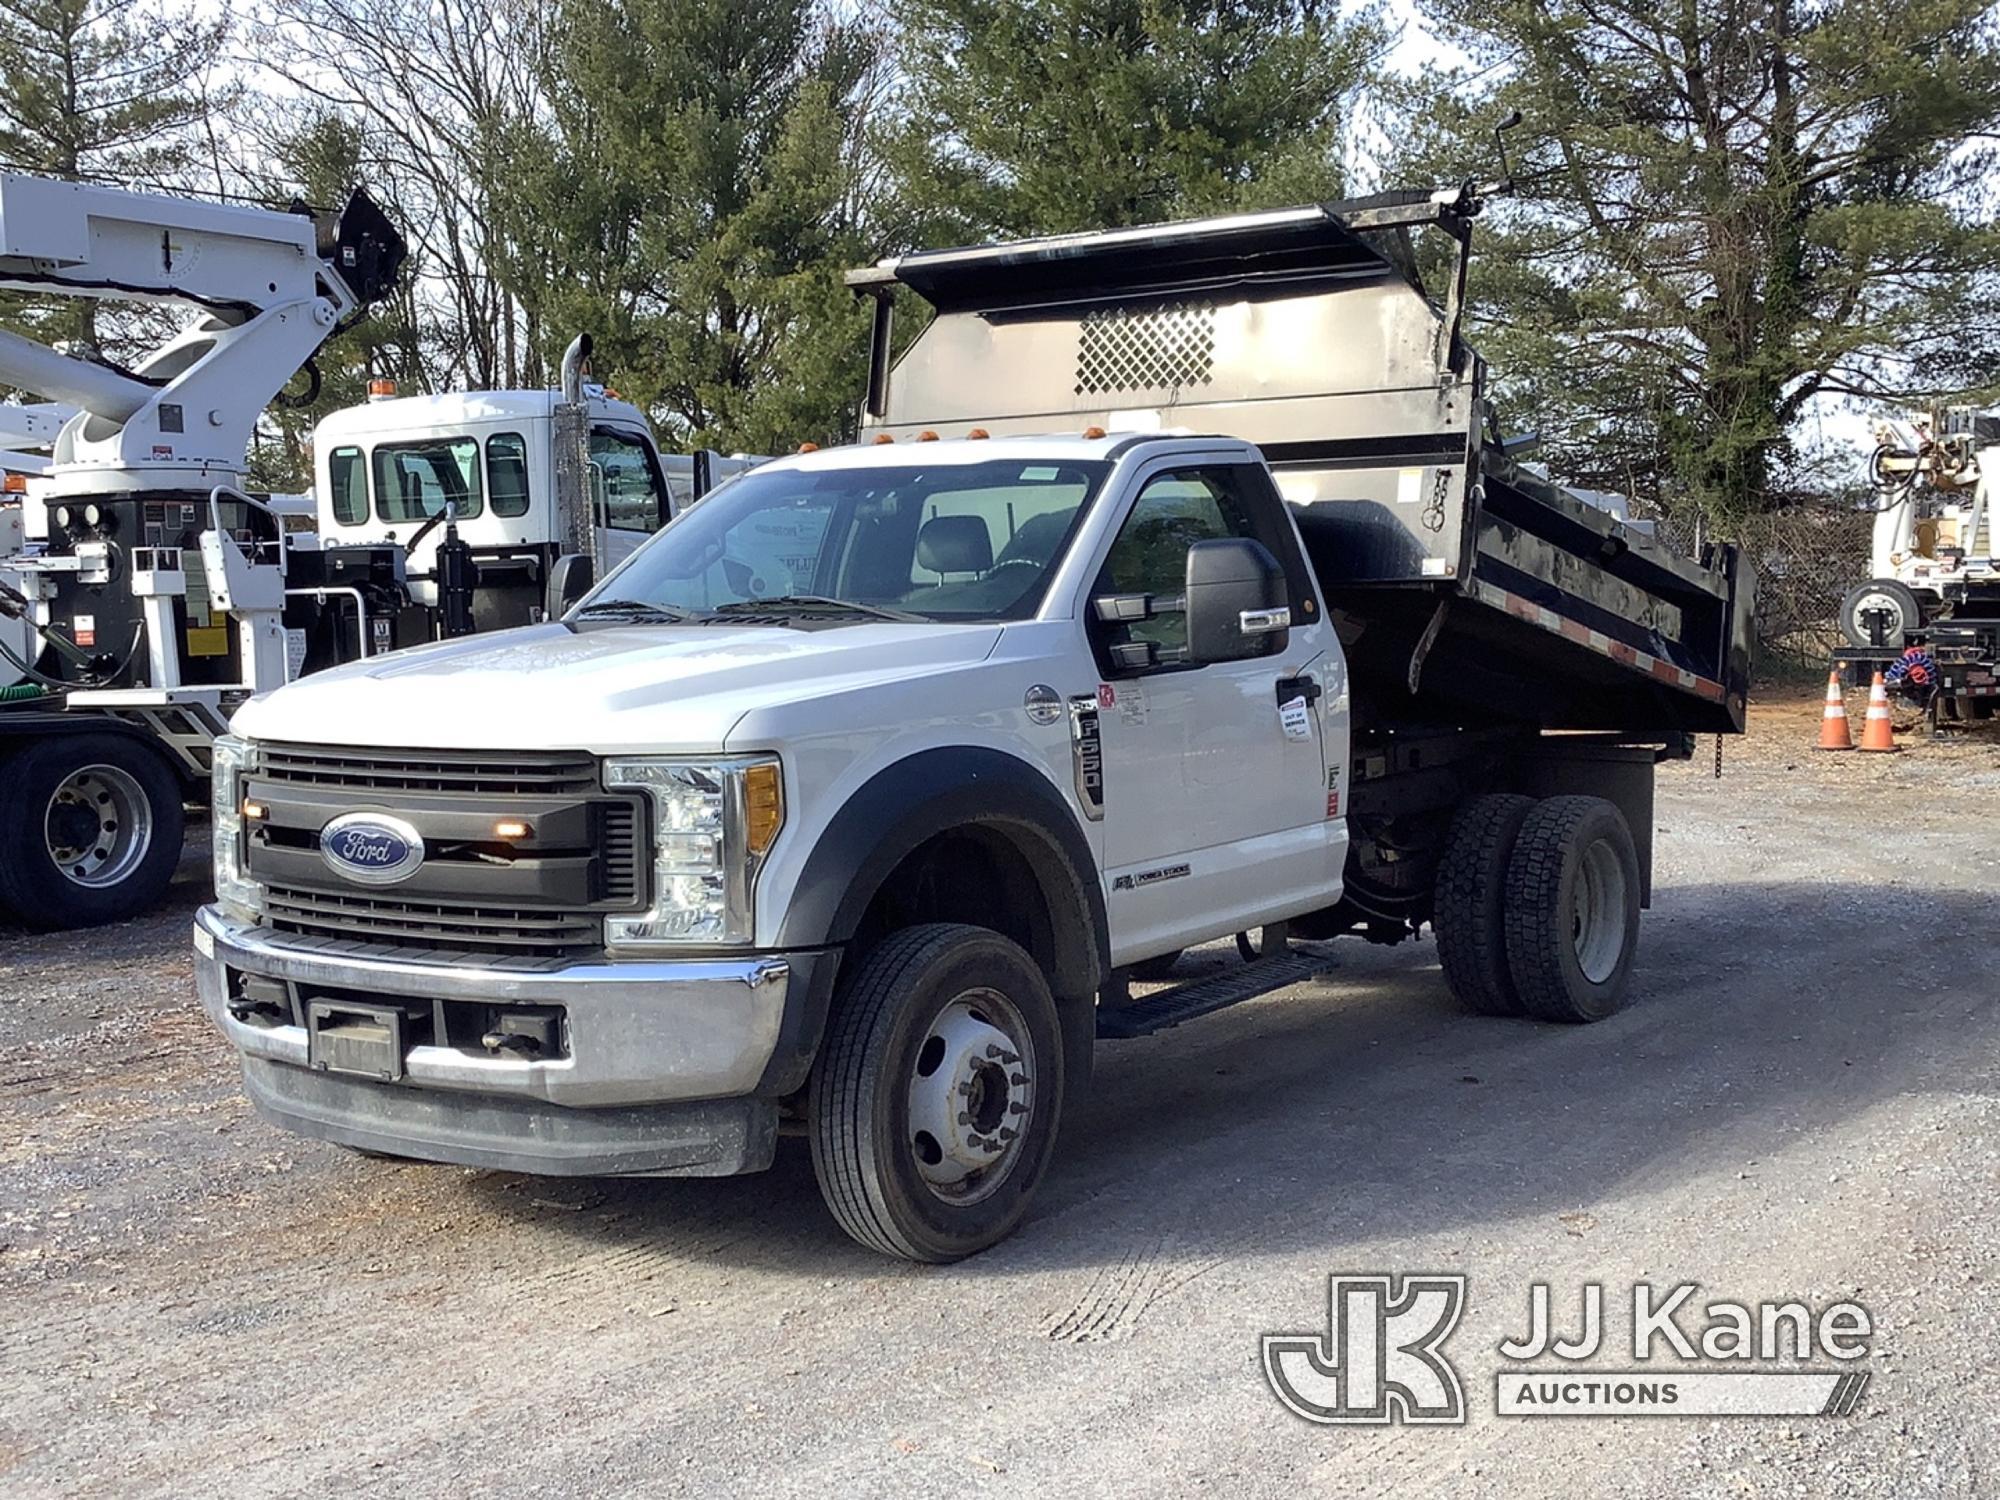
1801, 1101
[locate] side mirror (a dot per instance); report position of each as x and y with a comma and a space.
570, 579
1236, 601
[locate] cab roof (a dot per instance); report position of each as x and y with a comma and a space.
401, 416
1026, 448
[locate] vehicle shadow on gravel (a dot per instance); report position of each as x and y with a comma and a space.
1366, 1105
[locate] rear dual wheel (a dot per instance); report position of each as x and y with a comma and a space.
1537, 907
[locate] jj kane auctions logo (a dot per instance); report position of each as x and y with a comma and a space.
1381, 1357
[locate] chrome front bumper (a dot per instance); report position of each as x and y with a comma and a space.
639, 1033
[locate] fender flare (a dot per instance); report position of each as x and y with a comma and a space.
911, 801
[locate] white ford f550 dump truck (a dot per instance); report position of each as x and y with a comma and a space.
852, 802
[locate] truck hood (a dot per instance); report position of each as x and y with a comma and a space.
608, 689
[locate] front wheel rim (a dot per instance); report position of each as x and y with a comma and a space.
971, 1096
98, 826
1598, 912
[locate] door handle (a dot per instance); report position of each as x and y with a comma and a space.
1306, 687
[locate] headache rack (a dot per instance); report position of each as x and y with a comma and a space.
1464, 584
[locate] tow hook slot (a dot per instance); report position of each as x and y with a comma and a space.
523, 1034
257, 1001
253, 1012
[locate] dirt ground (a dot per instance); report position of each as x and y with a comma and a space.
1801, 1101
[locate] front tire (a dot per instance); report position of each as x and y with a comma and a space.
90, 830
1572, 909
933, 1107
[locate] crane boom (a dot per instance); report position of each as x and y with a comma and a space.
269, 287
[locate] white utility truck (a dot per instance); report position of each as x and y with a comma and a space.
143, 594
1176, 590
390, 468
1930, 615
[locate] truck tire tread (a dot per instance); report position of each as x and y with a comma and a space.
32, 887
847, 1098
1540, 946
839, 1155
1468, 910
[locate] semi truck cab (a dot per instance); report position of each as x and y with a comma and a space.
386, 468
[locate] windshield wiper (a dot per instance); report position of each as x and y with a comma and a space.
783, 604
632, 609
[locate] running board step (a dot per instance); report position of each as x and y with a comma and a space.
1201, 997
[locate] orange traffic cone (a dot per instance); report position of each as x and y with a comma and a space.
1833, 731
1877, 733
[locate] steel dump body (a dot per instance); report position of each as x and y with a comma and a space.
1466, 587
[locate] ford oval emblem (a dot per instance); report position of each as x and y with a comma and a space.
371, 848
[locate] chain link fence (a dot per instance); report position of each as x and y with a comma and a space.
1805, 560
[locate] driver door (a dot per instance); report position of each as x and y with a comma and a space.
628, 493
1215, 811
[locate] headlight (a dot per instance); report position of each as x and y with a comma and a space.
235, 892
713, 823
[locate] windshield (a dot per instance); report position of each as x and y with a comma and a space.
941, 542
414, 480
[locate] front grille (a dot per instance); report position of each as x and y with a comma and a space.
452, 925
618, 847
450, 772
543, 900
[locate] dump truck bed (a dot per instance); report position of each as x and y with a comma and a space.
1467, 587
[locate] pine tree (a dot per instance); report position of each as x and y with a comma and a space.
1041, 116
691, 198
1731, 209
103, 89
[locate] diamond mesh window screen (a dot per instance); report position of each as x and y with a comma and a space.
1164, 348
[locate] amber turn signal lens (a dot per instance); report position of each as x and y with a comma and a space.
1093, 432
808, 447
510, 828
979, 432
255, 811
763, 807
885, 437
